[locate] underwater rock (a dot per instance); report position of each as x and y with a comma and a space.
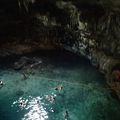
25, 62
20, 63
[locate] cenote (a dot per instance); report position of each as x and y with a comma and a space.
84, 93
59, 60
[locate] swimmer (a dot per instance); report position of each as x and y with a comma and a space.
50, 98
66, 114
38, 102
22, 104
58, 88
1, 83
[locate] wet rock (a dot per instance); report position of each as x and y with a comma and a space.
103, 52
25, 62
20, 63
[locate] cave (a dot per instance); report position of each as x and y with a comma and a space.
60, 60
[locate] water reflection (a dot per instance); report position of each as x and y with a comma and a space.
34, 108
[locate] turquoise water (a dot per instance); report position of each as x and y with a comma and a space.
85, 94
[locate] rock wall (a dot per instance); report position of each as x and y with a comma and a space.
97, 38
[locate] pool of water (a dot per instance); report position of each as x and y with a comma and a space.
84, 94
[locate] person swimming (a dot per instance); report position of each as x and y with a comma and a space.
1, 83
66, 114
38, 101
59, 88
22, 104
51, 99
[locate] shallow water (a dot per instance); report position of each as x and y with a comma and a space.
85, 94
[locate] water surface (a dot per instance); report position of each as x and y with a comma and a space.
85, 95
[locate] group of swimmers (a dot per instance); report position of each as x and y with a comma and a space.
52, 99
59, 88
49, 98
